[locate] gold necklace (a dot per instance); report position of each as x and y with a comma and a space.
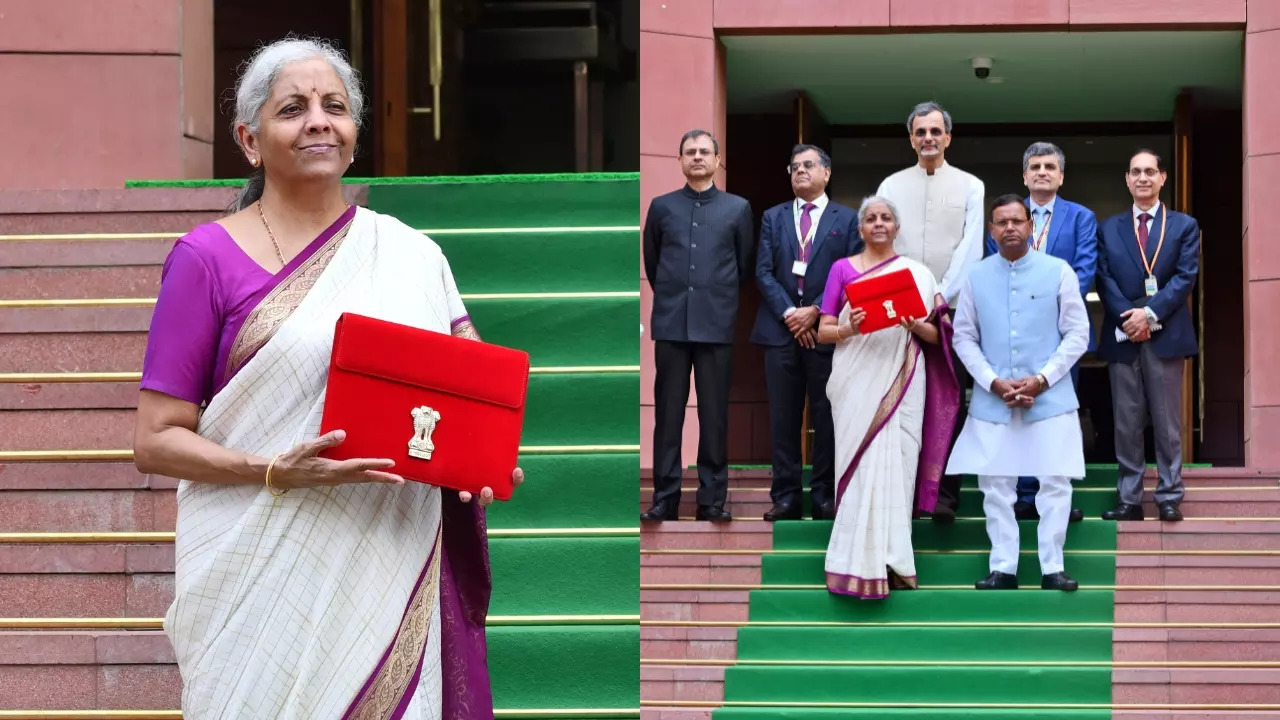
270, 234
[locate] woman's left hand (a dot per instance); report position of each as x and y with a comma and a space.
486, 495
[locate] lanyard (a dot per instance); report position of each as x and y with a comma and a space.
1044, 232
1150, 266
797, 211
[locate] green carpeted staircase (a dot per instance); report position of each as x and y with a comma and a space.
943, 651
548, 264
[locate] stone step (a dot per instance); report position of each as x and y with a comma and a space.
88, 510
79, 476
680, 535
90, 687
1196, 645
681, 683
83, 595
76, 319
1201, 501
1203, 476
68, 396
92, 558
659, 712
71, 352
688, 643
85, 647
699, 605
107, 429
1235, 686
110, 281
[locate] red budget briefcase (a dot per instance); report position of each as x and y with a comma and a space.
447, 410
886, 299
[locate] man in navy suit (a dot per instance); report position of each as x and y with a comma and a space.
1062, 229
1148, 261
799, 241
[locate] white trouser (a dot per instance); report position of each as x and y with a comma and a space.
1053, 502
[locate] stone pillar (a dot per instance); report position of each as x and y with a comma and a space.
682, 87
105, 91
1261, 229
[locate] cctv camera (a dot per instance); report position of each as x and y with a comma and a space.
982, 67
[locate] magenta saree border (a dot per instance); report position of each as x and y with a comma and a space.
406, 694
268, 289
864, 588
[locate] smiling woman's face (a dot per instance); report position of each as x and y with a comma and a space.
305, 130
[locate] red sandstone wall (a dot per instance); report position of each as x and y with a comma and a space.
102, 91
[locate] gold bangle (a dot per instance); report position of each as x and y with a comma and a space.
274, 491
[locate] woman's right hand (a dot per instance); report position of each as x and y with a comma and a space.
856, 316
301, 468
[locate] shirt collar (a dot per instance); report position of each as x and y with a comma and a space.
707, 194
819, 203
1153, 211
1047, 206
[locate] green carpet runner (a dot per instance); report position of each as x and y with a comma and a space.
553, 262
943, 651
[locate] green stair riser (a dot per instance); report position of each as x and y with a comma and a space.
565, 667
963, 534
1092, 500
582, 409
945, 569
542, 262
558, 487
564, 332
919, 684
1030, 605
565, 576
989, 644
613, 202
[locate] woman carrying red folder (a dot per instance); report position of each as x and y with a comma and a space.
894, 400
305, 587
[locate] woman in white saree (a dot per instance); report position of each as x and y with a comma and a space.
894, 401
304, 587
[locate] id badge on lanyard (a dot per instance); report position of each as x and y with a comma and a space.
1151, 286
800, 267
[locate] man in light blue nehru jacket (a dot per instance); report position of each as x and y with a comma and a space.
1020, 326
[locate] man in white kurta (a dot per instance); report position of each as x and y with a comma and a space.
1020, 326
940, 210
940, 205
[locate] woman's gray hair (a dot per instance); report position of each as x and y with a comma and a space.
253, 89
867, 202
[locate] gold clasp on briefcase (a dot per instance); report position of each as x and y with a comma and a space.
424, 423
888, 308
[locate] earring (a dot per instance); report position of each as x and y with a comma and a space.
253, 162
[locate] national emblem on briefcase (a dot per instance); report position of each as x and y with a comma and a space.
424, 423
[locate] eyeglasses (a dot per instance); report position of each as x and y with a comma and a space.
1139, 172
806, 164
935, 132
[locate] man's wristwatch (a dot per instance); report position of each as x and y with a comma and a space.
1044, 381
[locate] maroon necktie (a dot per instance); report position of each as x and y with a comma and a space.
1142, 231
806, 223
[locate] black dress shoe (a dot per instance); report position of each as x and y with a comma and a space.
713, 514
1025, 511
1076, 515
1169, 511
998, 581
1124, 511
662, 510
1058, 581
784, 511
943, 514
824, 511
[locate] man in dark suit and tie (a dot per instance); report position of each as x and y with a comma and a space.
1062, 229
799, 241
697, 252
1148, 260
